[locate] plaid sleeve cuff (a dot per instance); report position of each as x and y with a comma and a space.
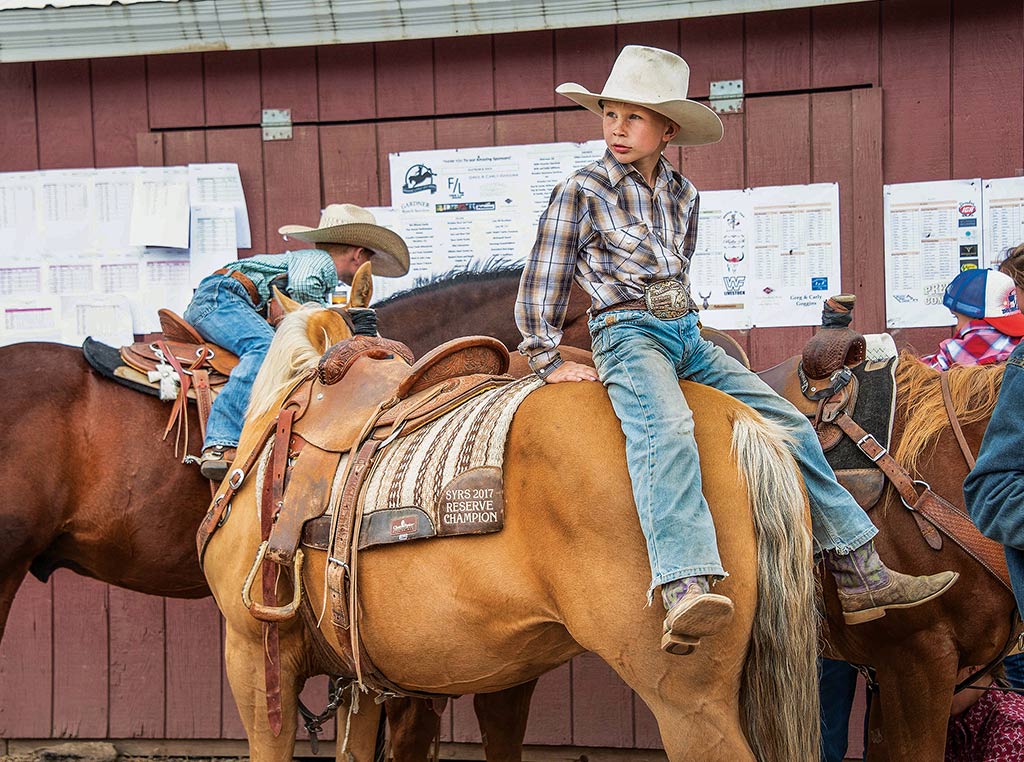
544, 365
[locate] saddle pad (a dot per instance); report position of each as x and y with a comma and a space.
445, 478
876, 405
107, 361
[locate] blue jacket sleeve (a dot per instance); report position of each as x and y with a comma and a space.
994, 490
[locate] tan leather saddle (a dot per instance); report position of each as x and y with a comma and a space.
354, 405
199, 366
185, 345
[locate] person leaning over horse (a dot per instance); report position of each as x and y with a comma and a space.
226, 307
988, 322
625, 227
994, 489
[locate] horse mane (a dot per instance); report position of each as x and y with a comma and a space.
973, 390
479, 272
291, 354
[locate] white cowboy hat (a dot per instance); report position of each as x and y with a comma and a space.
351, 224
658, 80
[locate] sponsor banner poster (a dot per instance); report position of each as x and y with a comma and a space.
796, 257
467, 208
720, 269
933, 231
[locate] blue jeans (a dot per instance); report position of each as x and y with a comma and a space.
640, 358
1014, 666
223, 313
837, 684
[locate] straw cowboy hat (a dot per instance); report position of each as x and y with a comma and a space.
658, 80
351, 224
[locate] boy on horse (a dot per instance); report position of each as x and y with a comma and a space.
624, 227
227, 305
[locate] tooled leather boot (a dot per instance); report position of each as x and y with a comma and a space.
867, 588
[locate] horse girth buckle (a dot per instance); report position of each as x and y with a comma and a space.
668, 299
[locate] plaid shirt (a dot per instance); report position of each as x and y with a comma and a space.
977, 343
312, 276
608, 229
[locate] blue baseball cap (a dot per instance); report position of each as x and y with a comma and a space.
987, 295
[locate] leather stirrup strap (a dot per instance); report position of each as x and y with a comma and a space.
961, 440
896, 474
270, 505
929, 506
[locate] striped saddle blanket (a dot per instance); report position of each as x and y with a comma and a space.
443, 479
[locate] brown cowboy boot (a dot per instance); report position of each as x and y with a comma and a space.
216, 462
867, 587
693, 615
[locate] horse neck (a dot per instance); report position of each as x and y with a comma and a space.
424, 319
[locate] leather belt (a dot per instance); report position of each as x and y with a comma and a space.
665, 299
248, 285
633, 304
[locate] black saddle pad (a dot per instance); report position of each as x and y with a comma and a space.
876, 396
105, 360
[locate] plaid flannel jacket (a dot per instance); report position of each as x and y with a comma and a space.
608, 229
977, 343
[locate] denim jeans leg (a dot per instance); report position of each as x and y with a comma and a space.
661, 453
1014, 666
838, 523
223, 314
837, 684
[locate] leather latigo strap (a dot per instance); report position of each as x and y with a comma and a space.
273, 500
930, 510
341, 542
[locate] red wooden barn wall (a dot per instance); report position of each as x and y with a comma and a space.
862, 94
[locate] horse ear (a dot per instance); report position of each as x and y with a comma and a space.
362, 287
285, 302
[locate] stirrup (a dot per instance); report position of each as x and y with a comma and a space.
273, 613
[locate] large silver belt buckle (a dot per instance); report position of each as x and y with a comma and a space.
667, 299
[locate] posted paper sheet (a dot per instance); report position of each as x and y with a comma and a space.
933, 232
81, 254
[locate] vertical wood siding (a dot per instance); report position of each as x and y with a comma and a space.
861, 94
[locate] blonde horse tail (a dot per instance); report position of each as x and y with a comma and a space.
779, 693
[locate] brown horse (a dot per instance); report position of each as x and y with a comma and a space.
483, 302
566, 574
916, 653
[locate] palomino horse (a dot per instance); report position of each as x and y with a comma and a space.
916, 654
565, 575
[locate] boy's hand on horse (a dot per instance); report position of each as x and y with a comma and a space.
572, 371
